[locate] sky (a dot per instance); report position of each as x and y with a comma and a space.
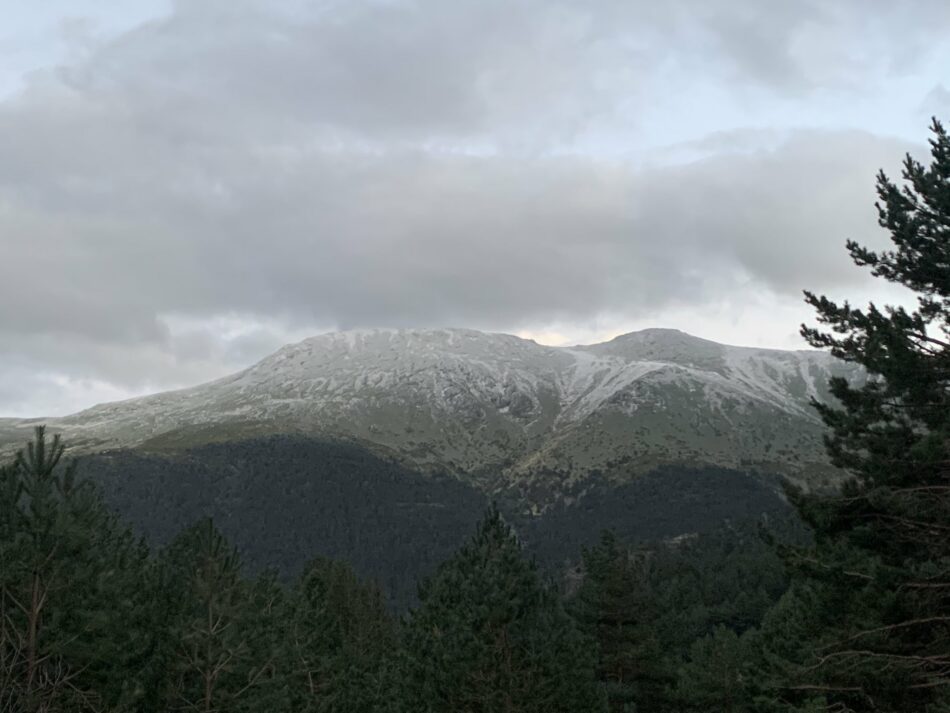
187, 185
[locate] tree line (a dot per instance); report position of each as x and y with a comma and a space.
94, 620
856, 618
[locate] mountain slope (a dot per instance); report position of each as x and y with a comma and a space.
283, 500
502, 411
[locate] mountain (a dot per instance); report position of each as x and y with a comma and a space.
500, 412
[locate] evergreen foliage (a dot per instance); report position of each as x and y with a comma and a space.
223, 630
876, 630
71, 591
340, 642
489, 636
729, 578
284, 500
617, 607
719, 674
186, 628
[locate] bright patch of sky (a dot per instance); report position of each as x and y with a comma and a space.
40, 36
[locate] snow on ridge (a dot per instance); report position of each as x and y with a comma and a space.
771, 374
448, 367
592, 380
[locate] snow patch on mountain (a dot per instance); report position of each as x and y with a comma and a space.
468, 400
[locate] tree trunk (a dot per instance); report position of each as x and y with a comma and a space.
33, 628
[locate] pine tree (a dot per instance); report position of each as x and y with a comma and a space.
340, 640
488, 637
71, 603
615, 606
719, 674
221, 652
878, 577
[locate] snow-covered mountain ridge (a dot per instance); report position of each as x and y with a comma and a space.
498, 408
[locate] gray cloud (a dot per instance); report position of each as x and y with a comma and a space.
381, 163
427, 69
412, 238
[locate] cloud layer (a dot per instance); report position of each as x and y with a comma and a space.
190, 194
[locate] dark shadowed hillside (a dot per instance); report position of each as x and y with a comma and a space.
666, 503
285, 500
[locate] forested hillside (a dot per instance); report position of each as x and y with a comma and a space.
282, 500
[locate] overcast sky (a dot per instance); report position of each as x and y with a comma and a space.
186, 186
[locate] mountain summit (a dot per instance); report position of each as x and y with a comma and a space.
497, 409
